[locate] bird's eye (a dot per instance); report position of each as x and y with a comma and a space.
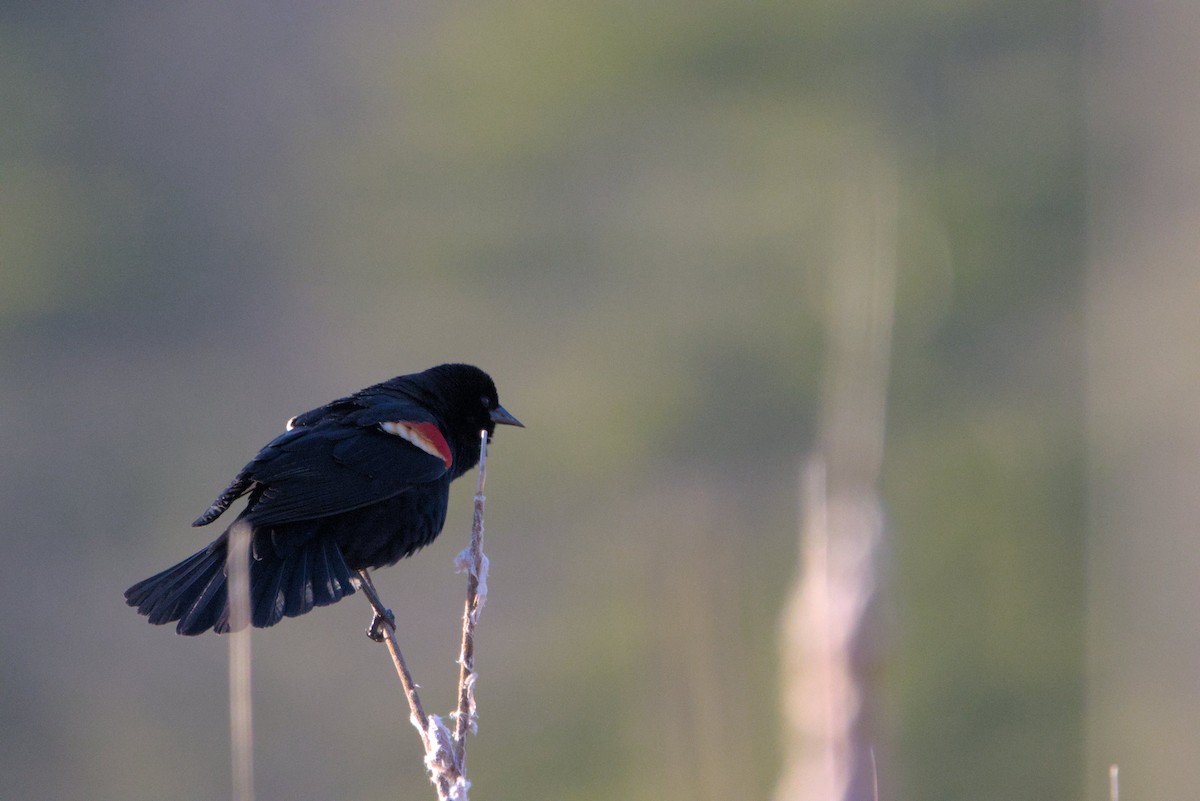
486, 401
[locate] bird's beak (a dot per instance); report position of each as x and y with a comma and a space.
501, 417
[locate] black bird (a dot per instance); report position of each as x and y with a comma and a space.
361, 482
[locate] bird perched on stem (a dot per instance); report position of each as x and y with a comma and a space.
358, 483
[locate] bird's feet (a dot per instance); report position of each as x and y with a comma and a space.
375, 630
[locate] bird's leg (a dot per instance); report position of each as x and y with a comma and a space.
375, 630
383, 615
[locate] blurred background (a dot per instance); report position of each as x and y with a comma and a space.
941, 252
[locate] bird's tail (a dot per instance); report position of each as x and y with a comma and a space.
195, 592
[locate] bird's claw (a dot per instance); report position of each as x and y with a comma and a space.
375, 630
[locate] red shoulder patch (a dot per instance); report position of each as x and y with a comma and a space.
426, 436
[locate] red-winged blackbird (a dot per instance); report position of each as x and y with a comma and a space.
358, 483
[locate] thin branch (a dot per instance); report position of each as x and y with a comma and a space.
387, 628
474, 563
450, 783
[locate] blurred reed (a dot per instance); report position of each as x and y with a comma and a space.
827, 699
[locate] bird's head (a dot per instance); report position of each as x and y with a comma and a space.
465, 400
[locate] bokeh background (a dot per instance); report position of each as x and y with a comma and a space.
214, 216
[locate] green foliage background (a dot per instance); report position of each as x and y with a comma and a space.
213, 217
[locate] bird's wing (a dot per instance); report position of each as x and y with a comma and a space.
338, 461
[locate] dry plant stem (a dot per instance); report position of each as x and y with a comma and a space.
447, 784
241, 740
465, 716
419, 719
